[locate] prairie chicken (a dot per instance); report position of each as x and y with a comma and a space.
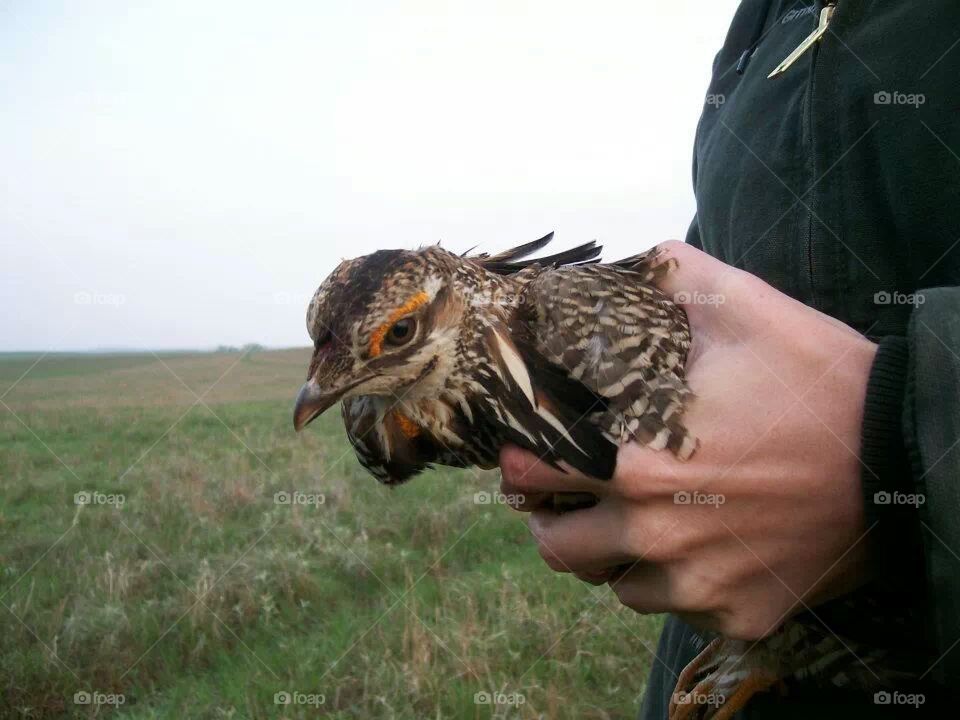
442, 359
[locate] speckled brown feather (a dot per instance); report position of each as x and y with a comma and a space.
535, 352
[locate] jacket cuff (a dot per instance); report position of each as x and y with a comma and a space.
882, 448
890, 506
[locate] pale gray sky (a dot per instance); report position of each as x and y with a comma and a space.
185, 173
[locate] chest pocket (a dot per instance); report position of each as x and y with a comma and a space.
754, 167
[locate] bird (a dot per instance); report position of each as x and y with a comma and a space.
440, 358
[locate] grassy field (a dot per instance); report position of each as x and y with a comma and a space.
143, 553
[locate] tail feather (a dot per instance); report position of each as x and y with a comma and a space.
520, 251
649, 264
516, 259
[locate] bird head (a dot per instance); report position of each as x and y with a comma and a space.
385, 324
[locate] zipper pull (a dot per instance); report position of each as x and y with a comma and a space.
825, 16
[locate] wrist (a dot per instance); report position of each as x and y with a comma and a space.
889, 495
882, 447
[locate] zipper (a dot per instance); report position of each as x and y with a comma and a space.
827, 13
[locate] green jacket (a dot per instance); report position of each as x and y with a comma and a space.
839, 184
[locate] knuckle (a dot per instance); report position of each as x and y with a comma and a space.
626, 593
512, 465
653, 538
740, 628
749, 626
673, 246
682, 541
695, 593
633, 596
552, 560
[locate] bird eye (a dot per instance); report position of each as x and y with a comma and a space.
401, 331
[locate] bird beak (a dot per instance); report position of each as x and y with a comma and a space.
311, 402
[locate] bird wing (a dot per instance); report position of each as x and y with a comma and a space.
623, 339
535, 404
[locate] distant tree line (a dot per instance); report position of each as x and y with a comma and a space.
247, 349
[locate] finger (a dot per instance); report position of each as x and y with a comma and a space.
523, 502
580, 541
709, 622
599, 577
689, 271
647, 475
642, 587
523, 472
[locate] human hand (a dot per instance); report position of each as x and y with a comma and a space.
775, 518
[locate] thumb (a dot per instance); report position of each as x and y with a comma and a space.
707, 289
688, 276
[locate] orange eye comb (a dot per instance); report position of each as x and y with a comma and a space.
376, 340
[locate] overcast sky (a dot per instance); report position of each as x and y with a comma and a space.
183, 174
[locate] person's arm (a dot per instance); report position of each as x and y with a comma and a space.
911, 469
931, 431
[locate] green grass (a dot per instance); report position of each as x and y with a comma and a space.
201, 597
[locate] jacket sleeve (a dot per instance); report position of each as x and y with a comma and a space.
911, 457
932, 432
693, 234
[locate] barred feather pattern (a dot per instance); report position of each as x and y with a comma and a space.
878, 649
624, 340
566, 360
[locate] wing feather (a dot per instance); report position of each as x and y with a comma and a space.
518, 258
623, 339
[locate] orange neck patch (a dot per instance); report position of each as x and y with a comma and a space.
376, 339
407, 426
